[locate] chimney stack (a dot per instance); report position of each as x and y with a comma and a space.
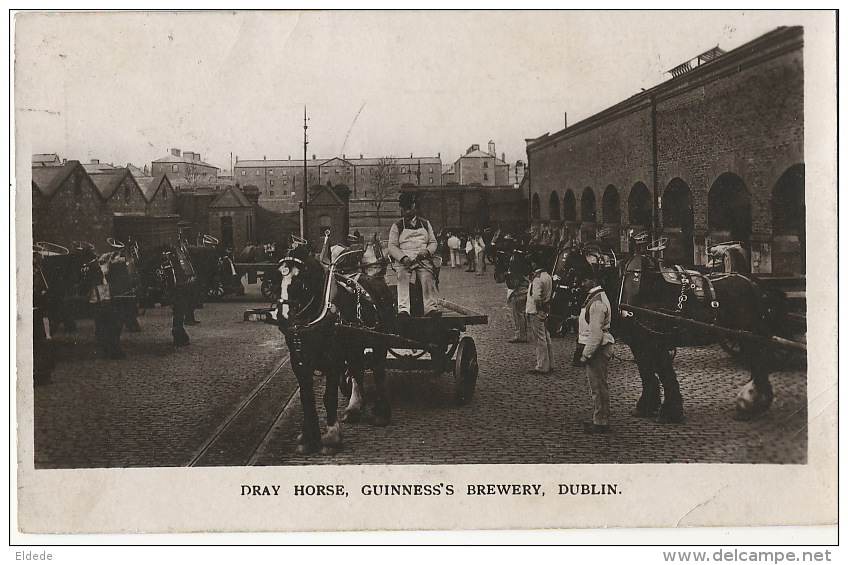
95, 161
492, 151
175, 152
565, 118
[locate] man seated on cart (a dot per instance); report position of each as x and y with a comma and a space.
412, 244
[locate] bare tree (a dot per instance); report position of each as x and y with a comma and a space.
192, 174
386, 182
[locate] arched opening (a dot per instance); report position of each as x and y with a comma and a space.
611, 215
588, 215
678, 217
536, 211
789, 229
639, 208
729, 210
587, 206
553, 210
569, 204
611, 206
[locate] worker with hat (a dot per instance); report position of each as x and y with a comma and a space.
412, 244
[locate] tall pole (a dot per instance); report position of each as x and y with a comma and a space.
655, 165
304, 216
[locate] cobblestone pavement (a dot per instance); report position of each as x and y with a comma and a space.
219, 402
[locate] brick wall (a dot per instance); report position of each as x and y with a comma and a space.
743, 114
74, 213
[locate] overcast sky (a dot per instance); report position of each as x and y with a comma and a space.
126, 87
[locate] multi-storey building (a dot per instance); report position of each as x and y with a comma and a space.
479, 167
280, 182
186, 171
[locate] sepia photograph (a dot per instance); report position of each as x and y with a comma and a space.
315, 271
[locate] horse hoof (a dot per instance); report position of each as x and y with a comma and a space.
381, 420
181, 343
306, 449
330, 450
353, 416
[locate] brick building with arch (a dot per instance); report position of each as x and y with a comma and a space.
715, 153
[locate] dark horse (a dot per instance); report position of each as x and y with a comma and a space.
76, 282
168, 277
512, 266
43, 359
329, 319
726, 300
216, 274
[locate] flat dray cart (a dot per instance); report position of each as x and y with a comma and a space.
433, 344
437, 345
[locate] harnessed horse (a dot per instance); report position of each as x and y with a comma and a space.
727, 300
330, 315
78, 277
43, 360
216, 273
168, 277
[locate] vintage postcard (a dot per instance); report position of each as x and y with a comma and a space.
408, 270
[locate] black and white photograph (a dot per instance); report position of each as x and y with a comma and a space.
298, 271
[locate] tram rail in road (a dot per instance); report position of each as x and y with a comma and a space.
243, 436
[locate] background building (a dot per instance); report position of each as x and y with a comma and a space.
478, 167
280, 182
186, 171
715, 153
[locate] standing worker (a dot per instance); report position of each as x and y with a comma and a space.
598, 348
412, 243
538, 307
453, 247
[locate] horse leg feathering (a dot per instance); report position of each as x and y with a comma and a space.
353, 412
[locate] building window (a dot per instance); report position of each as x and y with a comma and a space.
362, 170
270, 171
243, 172
127, 192
271, 193
256, 173
337, 171
485, 176
272, 182
431, 171
403, 169
431, 180
175, 168
485, 164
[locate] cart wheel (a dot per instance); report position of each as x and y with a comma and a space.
465, 371
268, 291
412, 353
216, 291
